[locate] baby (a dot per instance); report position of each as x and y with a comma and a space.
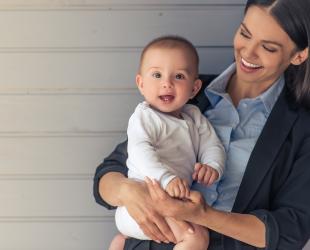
169, 140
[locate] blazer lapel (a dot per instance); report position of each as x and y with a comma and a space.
268, 144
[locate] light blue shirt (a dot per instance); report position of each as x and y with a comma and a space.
238, 128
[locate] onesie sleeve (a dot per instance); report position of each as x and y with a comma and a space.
211, 150
144, 130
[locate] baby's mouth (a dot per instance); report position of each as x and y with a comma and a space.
166, 98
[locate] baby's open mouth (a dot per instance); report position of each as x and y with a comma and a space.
166, 98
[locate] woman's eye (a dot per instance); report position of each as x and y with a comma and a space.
179, 76
156, 75
272, 50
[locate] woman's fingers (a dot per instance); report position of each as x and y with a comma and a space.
164, 229
183, 225
156, 192
141, 207
196, 197
153, 231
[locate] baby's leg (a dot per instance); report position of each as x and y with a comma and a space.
199, 240
118, 242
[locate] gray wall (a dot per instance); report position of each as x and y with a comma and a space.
67, 89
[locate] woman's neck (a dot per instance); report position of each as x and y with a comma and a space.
238, 90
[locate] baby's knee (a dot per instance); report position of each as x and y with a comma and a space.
118, 242
200, 237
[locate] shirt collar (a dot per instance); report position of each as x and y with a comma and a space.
270, 96
217, 89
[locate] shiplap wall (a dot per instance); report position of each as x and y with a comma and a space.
67, 71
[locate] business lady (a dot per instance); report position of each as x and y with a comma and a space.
259, 107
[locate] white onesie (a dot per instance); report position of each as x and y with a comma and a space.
162, 146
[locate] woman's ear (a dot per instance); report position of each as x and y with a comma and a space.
300, 56
196, 87
139, 83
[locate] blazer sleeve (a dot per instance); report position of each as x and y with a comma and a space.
115, 162
288, 220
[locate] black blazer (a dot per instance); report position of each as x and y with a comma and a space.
276, 183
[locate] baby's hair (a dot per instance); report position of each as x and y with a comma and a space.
170, 42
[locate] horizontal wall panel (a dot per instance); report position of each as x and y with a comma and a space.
64, 3
76, 29
97, 70
66, 113
55, 155
56, 236
49, 198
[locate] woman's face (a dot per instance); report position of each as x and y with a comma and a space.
262, 49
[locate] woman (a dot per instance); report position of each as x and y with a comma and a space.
259, 108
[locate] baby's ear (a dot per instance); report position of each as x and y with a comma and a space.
300, 56
139, 83
196, 87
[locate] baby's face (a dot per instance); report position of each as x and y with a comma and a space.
168, 79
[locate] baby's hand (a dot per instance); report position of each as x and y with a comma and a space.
205, 174
178, 188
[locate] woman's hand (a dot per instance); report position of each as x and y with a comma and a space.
243, 227
190, 209
136, 198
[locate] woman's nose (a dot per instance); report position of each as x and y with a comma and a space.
250, 51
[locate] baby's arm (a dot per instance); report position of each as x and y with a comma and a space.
211, 151
178, 188
144, 131
205, 174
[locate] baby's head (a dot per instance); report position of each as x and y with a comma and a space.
168, 73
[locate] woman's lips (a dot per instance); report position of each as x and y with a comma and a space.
249, 67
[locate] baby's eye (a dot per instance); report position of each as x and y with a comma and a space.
156, 75
179, 76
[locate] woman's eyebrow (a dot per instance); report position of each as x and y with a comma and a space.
246, 29
264, 41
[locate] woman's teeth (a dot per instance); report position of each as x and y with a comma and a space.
250, 65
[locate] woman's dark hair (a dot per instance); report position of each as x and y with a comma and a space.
294, 17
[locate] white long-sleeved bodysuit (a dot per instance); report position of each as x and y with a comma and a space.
162, 147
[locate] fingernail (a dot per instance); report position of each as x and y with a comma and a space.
167, 242
158, 241
190, 230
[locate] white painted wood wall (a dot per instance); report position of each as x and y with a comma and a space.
67, 71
